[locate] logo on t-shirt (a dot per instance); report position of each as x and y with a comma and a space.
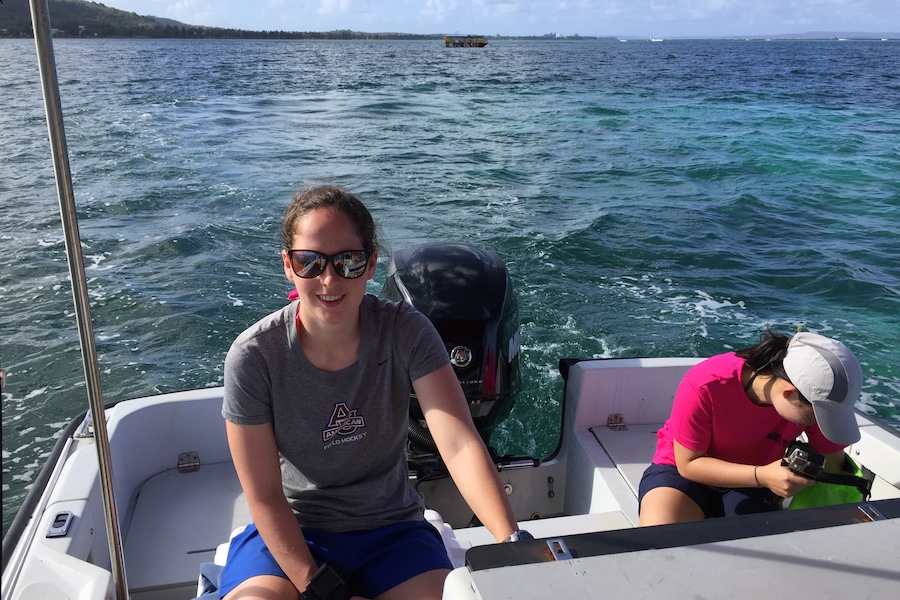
776, 437
343, 422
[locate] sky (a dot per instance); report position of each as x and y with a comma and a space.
621, 18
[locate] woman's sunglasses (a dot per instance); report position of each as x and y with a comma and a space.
309, 264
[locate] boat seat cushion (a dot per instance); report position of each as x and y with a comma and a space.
211, 572
208, 585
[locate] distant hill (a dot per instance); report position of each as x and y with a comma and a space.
79, 18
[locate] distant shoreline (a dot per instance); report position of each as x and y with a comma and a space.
81, 19
500, 39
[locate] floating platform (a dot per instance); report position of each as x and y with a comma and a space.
464, 41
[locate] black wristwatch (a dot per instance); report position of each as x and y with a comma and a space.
519, 535
326, 584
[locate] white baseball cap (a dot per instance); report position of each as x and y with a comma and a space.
829, 375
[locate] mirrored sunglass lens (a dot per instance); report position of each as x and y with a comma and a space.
351, 264
307, 264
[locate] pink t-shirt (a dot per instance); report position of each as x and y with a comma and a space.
712, 414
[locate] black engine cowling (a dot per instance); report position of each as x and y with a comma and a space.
466, 292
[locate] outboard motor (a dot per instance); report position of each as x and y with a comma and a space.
466, 292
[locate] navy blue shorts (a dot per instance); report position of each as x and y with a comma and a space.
372, 561
713, 501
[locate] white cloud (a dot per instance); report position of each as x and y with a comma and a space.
328, 7
436, 11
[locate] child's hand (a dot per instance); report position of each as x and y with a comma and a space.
781, 480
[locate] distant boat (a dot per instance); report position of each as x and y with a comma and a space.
464, 41
656, 39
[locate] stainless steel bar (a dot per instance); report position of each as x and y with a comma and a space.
40, 20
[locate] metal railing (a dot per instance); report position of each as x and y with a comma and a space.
40, 20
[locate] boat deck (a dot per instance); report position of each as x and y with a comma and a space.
179, 521
631, 448
584, 500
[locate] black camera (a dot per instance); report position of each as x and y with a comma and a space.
805, 462
326, 584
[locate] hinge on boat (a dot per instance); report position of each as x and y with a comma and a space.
558, 549
616, 422
188, 462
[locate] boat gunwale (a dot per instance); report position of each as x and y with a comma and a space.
678, 535
25, 513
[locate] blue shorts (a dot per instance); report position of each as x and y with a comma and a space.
372, 561
713, 501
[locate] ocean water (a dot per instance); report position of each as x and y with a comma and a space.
649, 199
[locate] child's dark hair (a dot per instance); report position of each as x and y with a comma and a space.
328, 196
766, 357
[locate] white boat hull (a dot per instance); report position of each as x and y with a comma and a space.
584, 497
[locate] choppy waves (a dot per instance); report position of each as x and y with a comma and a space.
648, 201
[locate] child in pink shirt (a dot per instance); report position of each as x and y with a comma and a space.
733, 417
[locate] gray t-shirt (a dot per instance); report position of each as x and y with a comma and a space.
341, 434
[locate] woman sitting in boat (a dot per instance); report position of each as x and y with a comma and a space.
316, 408
720, 453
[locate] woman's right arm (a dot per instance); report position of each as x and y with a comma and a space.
256, 461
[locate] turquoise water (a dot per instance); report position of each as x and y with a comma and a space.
649, 199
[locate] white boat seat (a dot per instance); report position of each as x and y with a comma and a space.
631, 449
222, 549
199, 508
